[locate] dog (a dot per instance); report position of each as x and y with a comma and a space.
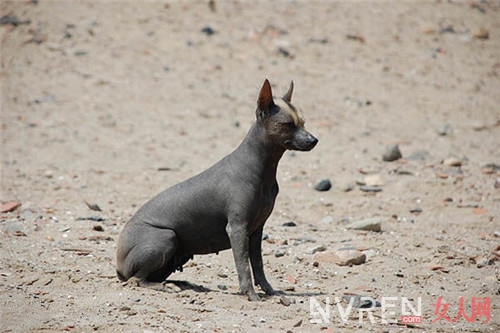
223, 207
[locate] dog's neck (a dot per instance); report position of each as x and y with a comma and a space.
260, 153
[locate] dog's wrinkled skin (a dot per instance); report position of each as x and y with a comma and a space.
223, 207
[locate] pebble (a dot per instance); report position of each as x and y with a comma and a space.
497, 183
366, 188
284, 52
323, 185
493, 166
97, 228
480, 33
93, 206
416, 210
289, 224
90, 218
315, 249
445, 130
372, 224
279, 253
7, 207
373, 180
208, 31
341, 258
285, 301
222, 287
13, 20
452, 161
304, 239
391, 153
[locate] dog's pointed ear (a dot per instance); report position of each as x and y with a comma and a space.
265, 101
288, 95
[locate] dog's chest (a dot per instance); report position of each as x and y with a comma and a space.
264, 205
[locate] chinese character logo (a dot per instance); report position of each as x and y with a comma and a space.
480, 307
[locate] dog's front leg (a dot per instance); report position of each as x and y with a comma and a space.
256, 261
238, 236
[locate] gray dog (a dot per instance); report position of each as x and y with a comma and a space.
223, 207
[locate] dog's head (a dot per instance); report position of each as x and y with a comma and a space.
283, 122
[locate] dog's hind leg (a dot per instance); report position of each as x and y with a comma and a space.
151, 258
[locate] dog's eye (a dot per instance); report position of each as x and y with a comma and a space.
290, 124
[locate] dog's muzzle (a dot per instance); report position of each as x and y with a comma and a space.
304, 142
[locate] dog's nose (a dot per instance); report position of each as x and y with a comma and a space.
313, 140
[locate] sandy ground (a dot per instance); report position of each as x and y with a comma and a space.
111, 102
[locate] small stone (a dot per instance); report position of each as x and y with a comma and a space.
298, 324
222, 287
279, 253
284, 52
90, 218
373, 180
315, 249
442, 175
445, 130
208, 31
93, 206
366, 188
291, 279
492, 166
497, 183
323, 185
373, 224
304, 239
7, 207
285, 301
97, 228
391, 153
480, 33
289, 224
13, 20
452, 161
416, 210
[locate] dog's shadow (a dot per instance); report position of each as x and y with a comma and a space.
174, 286
185, 285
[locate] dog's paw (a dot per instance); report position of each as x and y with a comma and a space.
253, 297
266, 287
132, 282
